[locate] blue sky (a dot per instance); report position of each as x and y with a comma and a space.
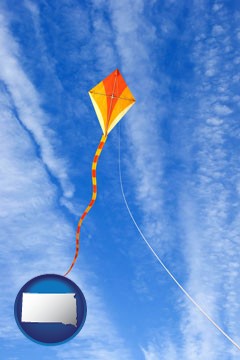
180, 165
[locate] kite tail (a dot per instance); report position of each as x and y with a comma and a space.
93, 199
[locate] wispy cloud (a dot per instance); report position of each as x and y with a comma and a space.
99, 338
180, 171
27, 104
165, 350
135, 36
34, 229
117, 43
206, 193
209, 216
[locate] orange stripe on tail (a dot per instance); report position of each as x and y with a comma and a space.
93, 199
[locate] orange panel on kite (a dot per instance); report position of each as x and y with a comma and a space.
111, 99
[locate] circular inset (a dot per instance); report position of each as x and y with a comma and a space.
50, 309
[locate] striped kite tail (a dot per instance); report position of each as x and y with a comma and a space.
93, 199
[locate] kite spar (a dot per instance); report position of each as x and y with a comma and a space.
111, 99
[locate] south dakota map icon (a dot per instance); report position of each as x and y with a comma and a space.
50, 309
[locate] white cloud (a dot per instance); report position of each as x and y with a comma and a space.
98, 339
131, 25
27, 102
222, 109
34, 231
207, 208
214, 121
32, 7
217, 7
217, 30
205, 198
210, 244
36, 241
164, 351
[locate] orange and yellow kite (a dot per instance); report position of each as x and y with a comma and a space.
111, 99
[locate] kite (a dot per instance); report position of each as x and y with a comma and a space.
111, 99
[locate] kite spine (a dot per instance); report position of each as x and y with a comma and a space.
93, 199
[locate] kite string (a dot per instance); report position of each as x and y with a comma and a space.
160, 261
93, 199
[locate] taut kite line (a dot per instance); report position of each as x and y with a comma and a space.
194, 302
111, 99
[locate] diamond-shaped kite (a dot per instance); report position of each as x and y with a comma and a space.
111, 99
